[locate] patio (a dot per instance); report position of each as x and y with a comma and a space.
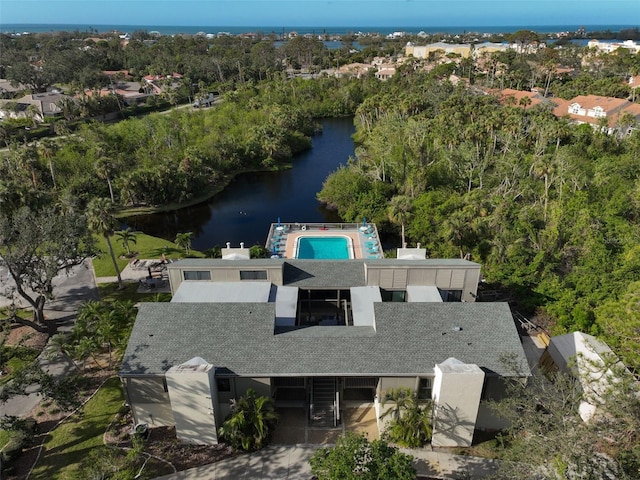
293, 428
282, 237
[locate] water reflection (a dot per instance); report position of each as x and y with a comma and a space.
243, 212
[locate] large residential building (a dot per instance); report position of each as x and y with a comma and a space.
465, 50
610, 47
320, 335
424, 51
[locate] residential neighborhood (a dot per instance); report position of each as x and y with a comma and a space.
316, 253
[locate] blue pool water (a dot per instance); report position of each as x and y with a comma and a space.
325, 248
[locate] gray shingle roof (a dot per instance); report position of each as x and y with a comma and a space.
409, 339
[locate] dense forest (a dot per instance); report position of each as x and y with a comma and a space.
548, 208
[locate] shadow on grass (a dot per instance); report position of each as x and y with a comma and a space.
70, 442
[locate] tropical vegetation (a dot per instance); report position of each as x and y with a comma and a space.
410, 424
548, 438
251, 422
356, 458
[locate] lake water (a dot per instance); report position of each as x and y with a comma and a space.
251, 202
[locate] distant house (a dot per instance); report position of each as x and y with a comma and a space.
6, 88
159, 82
610, 47
356, 70
594, 109
521, 98
489, 47
45, 103
131, 92
385, 72
118, 74
320, 336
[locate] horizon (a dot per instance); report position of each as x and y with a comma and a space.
168, 29
320, 14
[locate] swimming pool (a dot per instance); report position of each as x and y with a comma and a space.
324, 248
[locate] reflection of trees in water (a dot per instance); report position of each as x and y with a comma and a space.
168, 224
252, 201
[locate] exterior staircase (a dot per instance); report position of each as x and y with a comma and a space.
323, 401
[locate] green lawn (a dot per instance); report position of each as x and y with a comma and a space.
4, 438
14, 359
71, 441
109, 292
148, 247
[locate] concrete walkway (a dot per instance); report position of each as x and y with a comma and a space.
131, 274
292, 463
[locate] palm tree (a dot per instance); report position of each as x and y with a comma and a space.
251, 421
183, 240
402, 398
126, 237
32, 114
48, 151
544, 168
101, 219
411, 424
400, 213
105, 168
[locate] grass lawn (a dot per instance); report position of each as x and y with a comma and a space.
109, 292
20, 312
68, 444
148, 247
14, 359
4, 438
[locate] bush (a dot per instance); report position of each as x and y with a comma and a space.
355, 458
251, 422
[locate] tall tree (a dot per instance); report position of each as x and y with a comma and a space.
48, 150
37, 245
400, 213
101, 219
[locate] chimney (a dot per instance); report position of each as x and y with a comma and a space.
241, 244
228, 244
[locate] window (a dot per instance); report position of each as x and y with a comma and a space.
223, 384
392, 295
165, 386
451, 295
196, 275
253, 275
424, 389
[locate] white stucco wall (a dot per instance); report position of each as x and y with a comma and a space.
457, 390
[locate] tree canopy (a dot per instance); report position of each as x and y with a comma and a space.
38, 244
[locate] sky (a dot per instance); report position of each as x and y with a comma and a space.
355, 13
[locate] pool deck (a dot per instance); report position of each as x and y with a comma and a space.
282, 238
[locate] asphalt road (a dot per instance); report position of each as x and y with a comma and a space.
70, 289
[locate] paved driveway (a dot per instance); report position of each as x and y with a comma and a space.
71, 289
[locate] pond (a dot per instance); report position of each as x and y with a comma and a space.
252, 201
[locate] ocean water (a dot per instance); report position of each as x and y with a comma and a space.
174, 30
